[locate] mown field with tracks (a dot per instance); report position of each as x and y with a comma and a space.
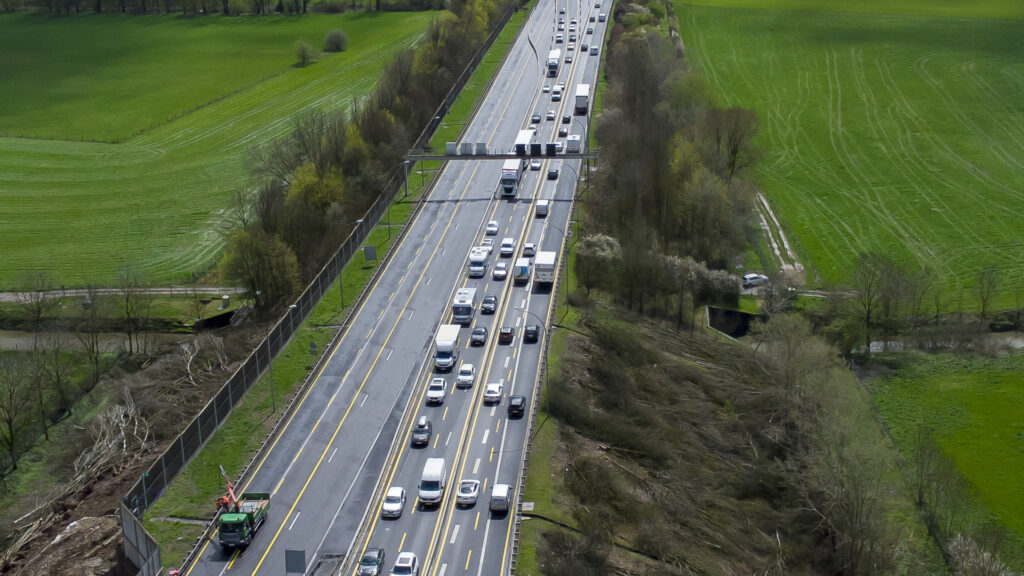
175, 106
899, 132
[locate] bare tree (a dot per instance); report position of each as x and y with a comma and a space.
130, 299
867, 279
90, 331
729, 140
15, 404
988, 289
37, 300
57, 367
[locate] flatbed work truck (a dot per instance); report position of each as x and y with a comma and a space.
242, 517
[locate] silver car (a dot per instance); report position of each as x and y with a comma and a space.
469, 491
394, 503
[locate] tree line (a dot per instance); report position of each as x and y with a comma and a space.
311, 186
669, 210
204, 7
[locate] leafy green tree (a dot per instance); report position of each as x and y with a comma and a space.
336, 41
306, 53
263, 264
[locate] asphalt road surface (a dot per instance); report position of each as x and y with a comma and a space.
349, 439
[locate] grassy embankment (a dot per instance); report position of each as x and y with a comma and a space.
202, 92
887, 126
233, 445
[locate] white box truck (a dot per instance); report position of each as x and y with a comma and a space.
582, 98
446, 347
523, 141
464, 305
432, 482
574, 144
545, 266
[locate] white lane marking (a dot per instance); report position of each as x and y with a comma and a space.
476, 465
427, 283
332, 455
522, 304
455, 534
411, 313
446, 440
297, 514
443, 250
507, 358
443, 568
518, 320
390, 352
487, 432
365, 396
493, 408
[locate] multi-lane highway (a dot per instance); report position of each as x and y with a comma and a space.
349, 438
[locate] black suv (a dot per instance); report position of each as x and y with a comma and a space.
421, 433
489, 305
372, 563
516, 406
531, 333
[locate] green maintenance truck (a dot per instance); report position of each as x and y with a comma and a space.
242, 517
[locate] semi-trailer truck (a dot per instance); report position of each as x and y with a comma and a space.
523, 141
511, 174
554, 59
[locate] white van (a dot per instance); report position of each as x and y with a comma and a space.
542, 208
432, 482
501, 497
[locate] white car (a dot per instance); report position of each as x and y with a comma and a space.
469, 491
535, 165
550, 115
406, 565
492, 228
559, 38
436, 391
507, 247
545, 89
466, 377
530, 249
752, 280
492, 393
394, 503
500, 271
487, 244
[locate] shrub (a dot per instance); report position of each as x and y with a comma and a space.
305, 52
336, 41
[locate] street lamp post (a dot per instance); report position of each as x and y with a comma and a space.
568, 269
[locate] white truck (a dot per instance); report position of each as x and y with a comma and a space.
432, 482
464, 305
446, 347
511, 174
523, 141
582, 98
545, 266
574, 144
521, 271
554, 58
478, 261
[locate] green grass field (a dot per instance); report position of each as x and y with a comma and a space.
83, 210
891, 132
975, 406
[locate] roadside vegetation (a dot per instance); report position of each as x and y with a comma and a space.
154, 194
662, 448
887, 127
